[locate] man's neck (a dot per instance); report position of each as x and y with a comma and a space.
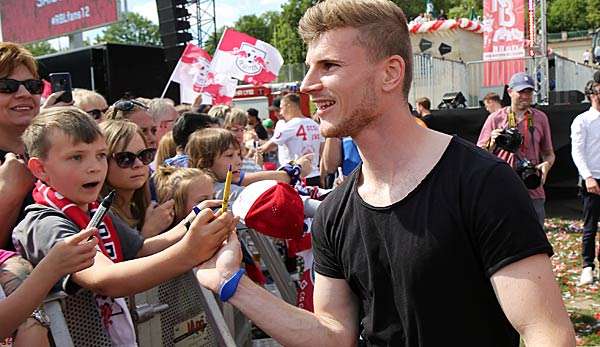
10, 140
519, 114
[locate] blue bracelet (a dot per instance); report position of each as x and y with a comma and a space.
293, 170
230, 286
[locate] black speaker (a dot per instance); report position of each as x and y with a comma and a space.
453, 100
173, 26
566, 97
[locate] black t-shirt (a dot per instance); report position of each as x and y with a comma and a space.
421, 267
261, 132
26, 202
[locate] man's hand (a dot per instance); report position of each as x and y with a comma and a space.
222, 266
207, 234
72, 254
52, 101
544, 168
493, 135
592, 186
15, 178
306, 162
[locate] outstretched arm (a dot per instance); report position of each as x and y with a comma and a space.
334, 323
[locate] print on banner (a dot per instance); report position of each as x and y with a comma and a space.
250, 59
504, 29
201, 74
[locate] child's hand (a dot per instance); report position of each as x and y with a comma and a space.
207, 234
306, 162
225, 263
72, 254
158, 218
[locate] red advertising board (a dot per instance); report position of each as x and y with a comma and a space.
25, 21
503, 40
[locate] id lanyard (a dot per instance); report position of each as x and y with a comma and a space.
512, 123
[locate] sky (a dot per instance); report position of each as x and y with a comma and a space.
226, 12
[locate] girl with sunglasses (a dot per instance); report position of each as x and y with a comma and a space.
128, 158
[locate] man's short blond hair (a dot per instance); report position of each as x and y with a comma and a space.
72, 121
382, 26
85, 97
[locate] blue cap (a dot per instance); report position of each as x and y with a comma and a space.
521, 81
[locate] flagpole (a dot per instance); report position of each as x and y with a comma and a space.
173, 73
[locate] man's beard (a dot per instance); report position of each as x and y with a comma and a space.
361, 117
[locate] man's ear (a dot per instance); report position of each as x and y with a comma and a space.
37, 168
394, 72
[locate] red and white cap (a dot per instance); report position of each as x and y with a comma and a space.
271, 208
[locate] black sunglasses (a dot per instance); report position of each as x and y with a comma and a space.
96, 113
9, 86
126, 159
128, 105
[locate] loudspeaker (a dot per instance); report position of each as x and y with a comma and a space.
453, 100
173, 26
566, 97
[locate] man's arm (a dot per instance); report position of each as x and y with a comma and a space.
15, 183
548, 158
334, 322
531, 300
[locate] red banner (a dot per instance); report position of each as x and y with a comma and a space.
25, 21
503, 40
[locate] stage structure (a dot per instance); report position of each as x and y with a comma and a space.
205, 21
539, 49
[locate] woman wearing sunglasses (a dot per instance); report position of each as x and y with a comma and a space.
128, 158
135, 110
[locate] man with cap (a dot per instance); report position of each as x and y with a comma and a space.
536, 142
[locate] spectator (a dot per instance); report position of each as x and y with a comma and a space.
255, 122
236, 122
67, 151
166, 149
424, 108
585, 141
442, 15
586, 57
128, 159
91, 102
183, 108
135, 110
597, 54
219, 112
296, 137
182, 129
532, 124
164, 115
492, 102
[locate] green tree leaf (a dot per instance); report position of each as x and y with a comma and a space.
40, 48
133, 29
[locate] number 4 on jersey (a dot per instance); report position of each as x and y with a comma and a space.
301, 133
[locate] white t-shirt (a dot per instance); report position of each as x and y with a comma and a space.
297, 137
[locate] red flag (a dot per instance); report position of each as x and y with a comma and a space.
243, 57
191, 72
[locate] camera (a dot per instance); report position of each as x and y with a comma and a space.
529, 174
509, 140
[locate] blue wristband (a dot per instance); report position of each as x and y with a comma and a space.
230, 286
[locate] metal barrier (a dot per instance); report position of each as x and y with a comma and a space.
570, 75
433, 77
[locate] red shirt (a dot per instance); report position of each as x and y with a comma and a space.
532, 150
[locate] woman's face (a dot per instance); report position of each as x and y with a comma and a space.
133, 177
230, 157
238, 132
18, 109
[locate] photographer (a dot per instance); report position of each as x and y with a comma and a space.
585, 140
520, 135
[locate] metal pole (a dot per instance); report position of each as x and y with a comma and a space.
544, 49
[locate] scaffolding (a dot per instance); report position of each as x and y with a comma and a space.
204, 20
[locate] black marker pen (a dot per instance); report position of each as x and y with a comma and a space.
101, 211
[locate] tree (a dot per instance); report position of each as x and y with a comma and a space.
40, 48
254, 26
567, 15
285, 36
133, 29
593, 14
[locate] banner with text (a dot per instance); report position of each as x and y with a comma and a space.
503, 40
26, 21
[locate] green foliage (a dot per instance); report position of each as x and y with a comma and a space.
133, 29
254, 26
567, 15
285, 35
593, 14
40, 48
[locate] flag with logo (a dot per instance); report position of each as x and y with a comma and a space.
191, 72
217, 89
244, 57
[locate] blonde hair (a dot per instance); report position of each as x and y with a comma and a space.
118, 134
70, 120
174, 183
382, 27
84, 96
219, 112
205, 145
166, 148
12, 55
235, 117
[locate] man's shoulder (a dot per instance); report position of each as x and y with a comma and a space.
463, 156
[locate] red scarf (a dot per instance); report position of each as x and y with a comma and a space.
109, 243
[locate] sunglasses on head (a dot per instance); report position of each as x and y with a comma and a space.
9, 86
126, 159
128, 105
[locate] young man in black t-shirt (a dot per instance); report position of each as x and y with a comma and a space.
431, 242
